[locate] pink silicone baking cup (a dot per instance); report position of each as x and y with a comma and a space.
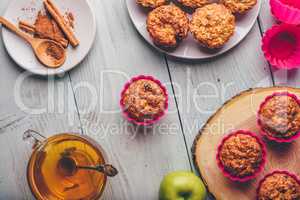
246, 178
271, 174
281, 46
263, 132
123, 107
287, 11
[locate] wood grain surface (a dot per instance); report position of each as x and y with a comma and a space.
239, 113
142, 158
201, 88
90, 104
280, 77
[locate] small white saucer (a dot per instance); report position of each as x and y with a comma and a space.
20, 51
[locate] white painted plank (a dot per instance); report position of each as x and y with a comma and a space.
118, 54
265, 17
281, 77
142, 160
35, 93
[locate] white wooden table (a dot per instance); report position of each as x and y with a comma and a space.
66, 103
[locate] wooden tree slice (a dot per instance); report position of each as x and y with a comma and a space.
240, 113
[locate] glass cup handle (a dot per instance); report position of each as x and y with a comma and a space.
34, 137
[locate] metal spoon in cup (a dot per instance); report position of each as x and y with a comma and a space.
67, 166
48, 52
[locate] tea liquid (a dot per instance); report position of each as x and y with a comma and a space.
52, 172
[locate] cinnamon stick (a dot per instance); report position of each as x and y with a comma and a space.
31, 29
58, 17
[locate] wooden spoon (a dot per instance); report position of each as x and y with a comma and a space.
48, 52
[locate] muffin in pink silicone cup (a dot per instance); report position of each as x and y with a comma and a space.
281, 46
241, 156
279, 185
144, 100
279, 117
287, 11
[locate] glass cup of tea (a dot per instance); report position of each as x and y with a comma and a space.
67, 166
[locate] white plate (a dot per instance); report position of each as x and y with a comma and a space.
189, 48
19, 50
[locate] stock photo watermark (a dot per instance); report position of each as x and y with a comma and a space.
96, 103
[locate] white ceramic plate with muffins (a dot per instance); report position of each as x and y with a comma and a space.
27, 10
190, 48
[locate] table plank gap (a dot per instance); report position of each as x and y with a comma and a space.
30, 102
76, 104
145, 155
179, 117
262, 33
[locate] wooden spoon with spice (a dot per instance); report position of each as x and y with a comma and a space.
49, 53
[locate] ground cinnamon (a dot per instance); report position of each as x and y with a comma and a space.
69, 17
55, 52
59, 19
53, 25
45, 27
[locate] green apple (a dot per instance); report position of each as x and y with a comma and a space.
182, 185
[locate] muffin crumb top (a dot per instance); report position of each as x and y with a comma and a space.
144, 100
151, 3
280, 116
239, 6
193, 3
279, 186
212, 25
167, 25
241, 155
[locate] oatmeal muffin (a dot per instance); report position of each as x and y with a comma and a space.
151, 3
279, 116
193, 3
241, 155
144, 99
279, 186
212, 25
239, 6
167, 25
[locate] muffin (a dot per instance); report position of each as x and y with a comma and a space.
167, 26
144, 100
149, 4
279, 185
241, 156
239, 6
192, 4
212, 25
279, 117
